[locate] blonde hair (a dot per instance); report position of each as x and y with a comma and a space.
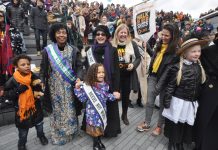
115, 40
179, 74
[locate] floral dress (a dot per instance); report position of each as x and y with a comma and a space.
63, 120
94, 124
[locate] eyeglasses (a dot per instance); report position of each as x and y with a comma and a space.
1, 16
102, 34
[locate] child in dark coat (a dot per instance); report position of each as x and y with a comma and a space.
182, 94
24, 89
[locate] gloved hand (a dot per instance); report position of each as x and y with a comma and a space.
22, 88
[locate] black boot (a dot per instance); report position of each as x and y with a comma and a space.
130, 105
139, 103
179, 146
101, 144
125, 119
22, 147
96, 145
43, 140
171, 146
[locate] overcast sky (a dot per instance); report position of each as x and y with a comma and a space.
193, 7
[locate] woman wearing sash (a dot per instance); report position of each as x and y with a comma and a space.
103, 52
60, 67
129, 59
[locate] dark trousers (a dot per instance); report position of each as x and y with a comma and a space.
43, 33
125, 89
22, 133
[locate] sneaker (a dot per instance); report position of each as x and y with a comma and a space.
157, 131
43, 140
38, 53
143, 127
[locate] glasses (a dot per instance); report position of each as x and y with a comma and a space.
1, 16
102, 34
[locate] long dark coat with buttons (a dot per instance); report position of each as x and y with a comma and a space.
207, 116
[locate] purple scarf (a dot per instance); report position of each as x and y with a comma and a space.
107, 57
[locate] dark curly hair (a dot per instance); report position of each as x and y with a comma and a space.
56, 27
21, 56
91, 76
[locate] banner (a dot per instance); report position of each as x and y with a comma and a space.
144, 20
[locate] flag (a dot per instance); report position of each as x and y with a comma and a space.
144, 20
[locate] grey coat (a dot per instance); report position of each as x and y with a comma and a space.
38, 18
16, 17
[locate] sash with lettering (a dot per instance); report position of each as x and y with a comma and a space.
61, 64
96, 103
90, 57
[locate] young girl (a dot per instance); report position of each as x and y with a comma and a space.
182, 91
94, 91
20, 89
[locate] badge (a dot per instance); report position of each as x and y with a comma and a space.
210, 85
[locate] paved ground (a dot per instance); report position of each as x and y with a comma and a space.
129, 139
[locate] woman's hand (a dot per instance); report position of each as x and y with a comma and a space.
144, 44
130, 67
116, 95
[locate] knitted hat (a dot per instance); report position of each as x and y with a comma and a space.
189, 43
102, 28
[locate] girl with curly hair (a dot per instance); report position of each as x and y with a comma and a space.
95, 93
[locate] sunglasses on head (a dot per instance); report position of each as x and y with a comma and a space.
102, 34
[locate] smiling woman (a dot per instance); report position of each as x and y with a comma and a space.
103, 52
60, 67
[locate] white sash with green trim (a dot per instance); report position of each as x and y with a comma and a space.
60, 64
96, 103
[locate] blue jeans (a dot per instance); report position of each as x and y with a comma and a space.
22, 133
23, 42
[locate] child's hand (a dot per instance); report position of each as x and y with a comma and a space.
1, 92
78, 83
116, 95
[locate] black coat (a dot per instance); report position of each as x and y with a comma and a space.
10, 93
115, 72
113, 119
190, 83
45, 71
168, 59
207, 116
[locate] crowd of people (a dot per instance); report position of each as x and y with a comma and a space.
77, 74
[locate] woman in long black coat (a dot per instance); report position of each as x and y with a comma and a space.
207, 116
103, 52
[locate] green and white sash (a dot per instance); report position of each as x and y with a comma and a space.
60, 64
